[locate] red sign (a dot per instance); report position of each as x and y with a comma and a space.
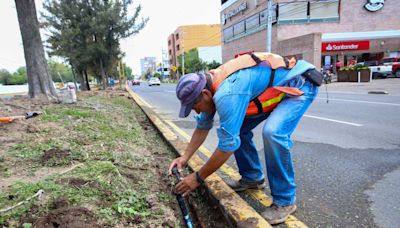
345, 46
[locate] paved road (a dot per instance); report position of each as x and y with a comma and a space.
346, 153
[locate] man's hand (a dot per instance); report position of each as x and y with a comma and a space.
179, 163
187, 184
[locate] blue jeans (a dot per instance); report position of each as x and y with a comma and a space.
278, 127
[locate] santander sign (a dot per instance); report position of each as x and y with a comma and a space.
345, 46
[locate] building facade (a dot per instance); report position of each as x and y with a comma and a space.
148, 65
322, 32
188, 37
163, 67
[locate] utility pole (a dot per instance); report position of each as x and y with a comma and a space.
269, 26
123, 75
183, 53
162, 63
119, 72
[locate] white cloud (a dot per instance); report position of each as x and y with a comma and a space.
165, 17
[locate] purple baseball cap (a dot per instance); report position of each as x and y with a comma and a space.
188, 89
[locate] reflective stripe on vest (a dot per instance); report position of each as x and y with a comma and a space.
272, 96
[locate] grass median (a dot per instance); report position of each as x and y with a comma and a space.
96, 163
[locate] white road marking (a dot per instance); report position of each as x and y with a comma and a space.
336, 121
358, 101
170, 91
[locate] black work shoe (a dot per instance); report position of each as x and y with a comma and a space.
277, 214
242, 185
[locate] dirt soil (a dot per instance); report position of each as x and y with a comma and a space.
54, 154
100, 162
68, 217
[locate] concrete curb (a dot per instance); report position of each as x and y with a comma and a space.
237, 211
13, 94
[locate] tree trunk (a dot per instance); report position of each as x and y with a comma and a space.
103, 75
73, 74
39, 79
82, 80
87, 80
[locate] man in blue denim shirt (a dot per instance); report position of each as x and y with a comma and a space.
235, 132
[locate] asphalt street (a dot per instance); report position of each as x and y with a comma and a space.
346, 152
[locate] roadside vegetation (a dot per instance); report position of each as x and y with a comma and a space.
59, 72
95, 163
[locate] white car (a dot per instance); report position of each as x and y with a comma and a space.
154, 81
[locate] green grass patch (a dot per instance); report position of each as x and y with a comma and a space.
165, 197
33, 150
131, 204
100, 132
110, 187
59, 113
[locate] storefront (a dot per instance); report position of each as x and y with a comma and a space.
323, 32
346, 49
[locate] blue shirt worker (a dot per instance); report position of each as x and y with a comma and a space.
235, 97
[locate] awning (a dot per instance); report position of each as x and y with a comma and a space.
361, 35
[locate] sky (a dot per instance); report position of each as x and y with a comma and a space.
165, 16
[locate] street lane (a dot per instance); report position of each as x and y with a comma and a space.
337, 164
379, 121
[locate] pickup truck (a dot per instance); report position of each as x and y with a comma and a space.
378, 69
396, 70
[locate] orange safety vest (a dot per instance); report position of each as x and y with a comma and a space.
273, 95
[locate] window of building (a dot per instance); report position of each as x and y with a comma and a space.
264, 15
177, 47
169, 42
295, 12
252, 22
228, 33
238, 28
177, 36
285, 13
324, 11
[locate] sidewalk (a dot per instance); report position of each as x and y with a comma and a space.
389, 85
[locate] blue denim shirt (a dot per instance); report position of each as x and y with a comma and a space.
235, 93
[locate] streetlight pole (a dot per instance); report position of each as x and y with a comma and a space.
162, 63
269, 26
183, 53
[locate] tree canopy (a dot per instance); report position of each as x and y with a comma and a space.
194, 64
59, 72
19, 77
87, 33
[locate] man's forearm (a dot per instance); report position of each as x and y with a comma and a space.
198, 137
216, 160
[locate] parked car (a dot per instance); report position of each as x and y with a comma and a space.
377, 68
154, 81
136, 82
